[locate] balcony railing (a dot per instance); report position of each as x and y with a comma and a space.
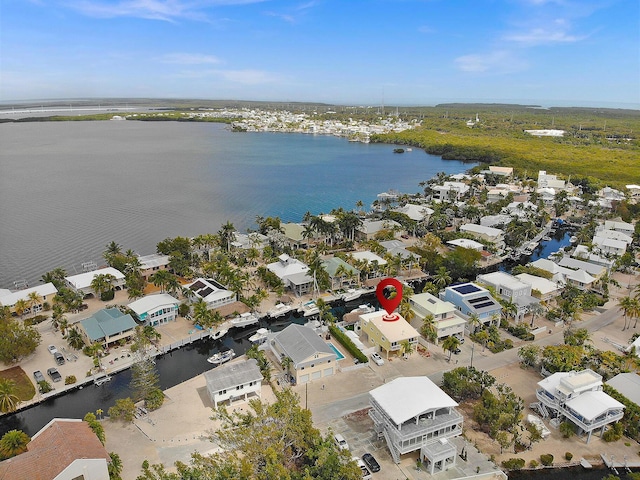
610, 416
424, 427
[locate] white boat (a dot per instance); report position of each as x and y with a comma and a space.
260, 336
363, 309
352, 294
221, 357
102, 379
219, 334
244, 320
279, 310
310, 308
573, 239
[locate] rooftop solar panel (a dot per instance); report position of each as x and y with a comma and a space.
485, 304
466, 288
197, 286
484, 298
205, 291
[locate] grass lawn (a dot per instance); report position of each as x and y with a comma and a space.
24, 386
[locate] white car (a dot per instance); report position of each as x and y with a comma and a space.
52, 349
377, 358
341, 442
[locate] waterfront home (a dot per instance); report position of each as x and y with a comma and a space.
449, 191
44, 293
466, 243
471, 299
520, 209
609, 246
397, 248
107, 326
596, 271
247, 241
370, 228
150, 264
578, 398
607, 196
373, 260
293, 273
213, 293
81, 283
294, 235
602, 233
238, 380
413, 413
388, 336
547, 195
311, 357
340, 272
155, 309
627, 384
490, 234
445, 317
545, 288
583, 252
495, 220
64, 449
512, 289
565, 276
502, 171
417, 213
633, 192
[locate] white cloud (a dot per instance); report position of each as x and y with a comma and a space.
166, 10
500, 61
189, 59
556, 31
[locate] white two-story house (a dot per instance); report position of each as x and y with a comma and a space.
238, 380
445, 317
155, 309
413, 413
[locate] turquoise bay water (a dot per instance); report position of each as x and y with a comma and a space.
69, 188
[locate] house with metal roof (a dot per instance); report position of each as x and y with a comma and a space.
81, 283
466, 243
445, 316
155, 309
107, 326
413, 413
340, 272
578, 398
627, 384
45, 292
311, 357
294, 235
471, 299
418, 213
150, 264
234, 381
490, 234
510, 288
64, 449
370, 228
388, 333
293, 273
563, 275
546, 288
212, 292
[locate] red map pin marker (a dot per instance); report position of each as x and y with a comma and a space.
389, 293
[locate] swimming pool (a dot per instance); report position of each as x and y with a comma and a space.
339, 356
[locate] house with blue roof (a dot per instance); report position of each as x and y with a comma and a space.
107, 326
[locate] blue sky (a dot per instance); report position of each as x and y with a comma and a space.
420, 52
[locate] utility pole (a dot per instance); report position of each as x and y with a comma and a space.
473, 347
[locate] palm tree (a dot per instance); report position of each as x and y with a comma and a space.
161, 279
429, 329
8, 399
63, 325
442, 278
286, 363
535, 309
201, 313
474, 322
74, 338
115, 465
101, 283
21, 306
13, 443
34, 300
226, 235
626, 304
450, 344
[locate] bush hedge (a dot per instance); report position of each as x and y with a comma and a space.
568, 456
513, 463
348, 344
546, 459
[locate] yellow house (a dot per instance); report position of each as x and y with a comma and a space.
388, 336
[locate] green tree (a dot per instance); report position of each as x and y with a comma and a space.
442, 278
529, 355
74, 338
13, 443
114, 466
124, 410
102, 283
429, 330
8, 399
17, 340
450, 344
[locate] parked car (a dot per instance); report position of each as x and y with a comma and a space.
341, 442
54, 374
59, 358
457, 351
460, 338
371, 462
52, 349
377, 358
38, 376
366, 474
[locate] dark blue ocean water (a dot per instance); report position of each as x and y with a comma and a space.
69, 188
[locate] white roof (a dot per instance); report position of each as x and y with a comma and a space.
503, 279
543, 285
83, 280
369, 257
591, 405
466, 243
209, 292
414, 212
11, 298
481, 229
395, 331
153, 260
407, 397
286, 267
150, 302
432, 304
